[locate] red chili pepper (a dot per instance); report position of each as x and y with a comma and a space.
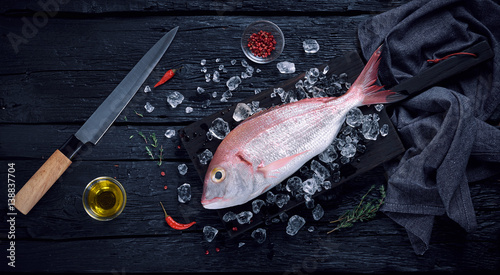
175, 225
169, 74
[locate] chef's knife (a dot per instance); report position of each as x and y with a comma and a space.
93, 129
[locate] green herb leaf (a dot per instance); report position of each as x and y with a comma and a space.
155, 140
138, 114
150, 153
143, 136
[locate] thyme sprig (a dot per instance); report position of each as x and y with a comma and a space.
161, 156
143, 136
364, 211
150, 153
155, 140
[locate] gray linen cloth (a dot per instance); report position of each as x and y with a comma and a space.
444, 129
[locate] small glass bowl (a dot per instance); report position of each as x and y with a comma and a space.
104, 198
267, 26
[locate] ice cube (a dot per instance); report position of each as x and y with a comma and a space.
175, 98
310, 46
240, 244
310, 229
214, 94
221, 67
184, 193
295, 223
294, 184
282, 199
326, 69
379, 107
349, 150
270, 197
257, 205
200, 90
182, 169
318, 212
327, 185
233, 62
309, 201
189, 110
216, 76
203, 62
227, 94
147, 89
170, 133
329, 155
203, 69
320, 170
343, 78
233, 83
370, 127
354, 117
244, 63
219, 128
344, 160
257, 91
208, 77
229, 216
205, 103
259, 235
384, 130
256, 106
217, 60
244, 217
310, 186
286, 67
205, 157
149, 108
209, 233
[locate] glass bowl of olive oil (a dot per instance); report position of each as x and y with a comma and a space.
104, 198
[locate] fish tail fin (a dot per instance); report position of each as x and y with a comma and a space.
372, 94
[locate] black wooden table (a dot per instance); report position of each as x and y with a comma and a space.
61, 60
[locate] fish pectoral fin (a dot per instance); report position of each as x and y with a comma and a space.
267, 170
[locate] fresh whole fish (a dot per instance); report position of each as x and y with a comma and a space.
270, 146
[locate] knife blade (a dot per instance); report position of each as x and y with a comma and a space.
93, 129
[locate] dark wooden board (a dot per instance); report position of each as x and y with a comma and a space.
65, 70
194, 138
217, 7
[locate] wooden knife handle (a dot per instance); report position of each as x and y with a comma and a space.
41, 181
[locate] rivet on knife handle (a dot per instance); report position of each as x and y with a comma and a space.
41, 181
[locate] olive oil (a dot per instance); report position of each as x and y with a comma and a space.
104, 198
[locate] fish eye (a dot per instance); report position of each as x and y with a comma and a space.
218, 175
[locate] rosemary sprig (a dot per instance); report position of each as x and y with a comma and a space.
161, 156
364, 211
139, 114
155, 140
131, 137
150, 153
143, 136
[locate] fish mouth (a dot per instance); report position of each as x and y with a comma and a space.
215, 203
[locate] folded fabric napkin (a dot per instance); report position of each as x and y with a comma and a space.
444, 129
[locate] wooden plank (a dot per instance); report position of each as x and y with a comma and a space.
217, 7
121, 142
375, 246
59, 67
